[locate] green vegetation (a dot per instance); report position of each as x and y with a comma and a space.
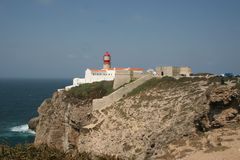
203, 74
238, 85
91, 90
190, 79
221, 80
164, 83
149, 84
29, 152
170, 82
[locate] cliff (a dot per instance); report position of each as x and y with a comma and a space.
161, 119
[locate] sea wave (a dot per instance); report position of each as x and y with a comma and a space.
22, 129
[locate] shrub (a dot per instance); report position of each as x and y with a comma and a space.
164, 83
29, 152
237, 85
191, 79
221, 80
91, 90
147, 85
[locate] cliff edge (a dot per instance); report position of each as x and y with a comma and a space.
161, 119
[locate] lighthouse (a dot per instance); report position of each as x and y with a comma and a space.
106, 60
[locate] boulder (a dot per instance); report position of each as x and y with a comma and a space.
32, 124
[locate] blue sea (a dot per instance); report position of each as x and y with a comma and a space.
19, 100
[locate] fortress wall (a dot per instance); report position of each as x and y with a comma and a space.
102, 103
186, 71
173, 71
167, 71
125, 76
137, 74
121, 77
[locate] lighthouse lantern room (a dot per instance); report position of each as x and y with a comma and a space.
106, 60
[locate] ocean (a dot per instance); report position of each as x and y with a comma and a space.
19, 100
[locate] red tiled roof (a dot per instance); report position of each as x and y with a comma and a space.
131, 69
136, 69
117, 69
98, 70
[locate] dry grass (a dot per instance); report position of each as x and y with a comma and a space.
165, 83
221, 80
237, 85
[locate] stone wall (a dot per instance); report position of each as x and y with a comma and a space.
125, 76
122, 77
185, 71
175, 71
99, 104
172, 71
164, 71
137, 75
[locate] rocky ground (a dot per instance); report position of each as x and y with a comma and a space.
162, 119
219, 144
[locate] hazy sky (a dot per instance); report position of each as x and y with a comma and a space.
61, 38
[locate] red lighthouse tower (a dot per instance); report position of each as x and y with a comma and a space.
106, 60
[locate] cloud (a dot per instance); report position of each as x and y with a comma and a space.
45, 2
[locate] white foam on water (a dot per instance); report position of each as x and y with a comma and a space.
22, 129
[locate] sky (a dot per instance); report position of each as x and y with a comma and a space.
61, 38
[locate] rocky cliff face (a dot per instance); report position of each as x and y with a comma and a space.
60, 120
155, 123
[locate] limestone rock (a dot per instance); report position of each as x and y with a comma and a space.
32, 124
